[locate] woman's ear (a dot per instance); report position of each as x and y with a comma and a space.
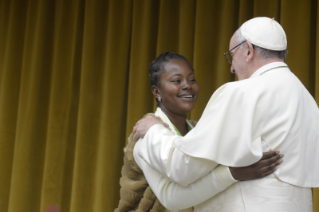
156, 91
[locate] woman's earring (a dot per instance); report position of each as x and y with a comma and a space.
159, 99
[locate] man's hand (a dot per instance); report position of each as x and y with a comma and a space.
265, 166
143, 125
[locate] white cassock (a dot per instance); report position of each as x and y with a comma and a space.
270, 110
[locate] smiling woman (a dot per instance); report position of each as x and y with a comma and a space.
175, 89
174, 86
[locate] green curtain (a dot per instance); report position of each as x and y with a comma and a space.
74, 80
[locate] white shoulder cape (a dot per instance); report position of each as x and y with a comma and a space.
271, 109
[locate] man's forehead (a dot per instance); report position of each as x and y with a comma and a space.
232, 42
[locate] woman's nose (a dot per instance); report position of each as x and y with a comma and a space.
186, 85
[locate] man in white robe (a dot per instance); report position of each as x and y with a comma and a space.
268, 108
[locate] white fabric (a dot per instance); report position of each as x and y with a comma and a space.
263, 195
169, 160
265, 32
267, 194
176, 197
271, 107
174, 172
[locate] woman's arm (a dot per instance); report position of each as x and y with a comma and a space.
265, 166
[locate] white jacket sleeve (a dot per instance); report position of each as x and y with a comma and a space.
176, 197
162, 155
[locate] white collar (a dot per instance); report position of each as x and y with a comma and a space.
162, 115
265, 68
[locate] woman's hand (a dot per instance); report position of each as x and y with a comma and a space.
265, 166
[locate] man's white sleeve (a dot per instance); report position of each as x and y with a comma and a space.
159, 151
176, 197
225, 134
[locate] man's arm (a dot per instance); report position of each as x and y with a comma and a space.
227, 133
176, 197
160, 153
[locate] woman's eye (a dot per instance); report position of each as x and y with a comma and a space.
178, 81
192, 80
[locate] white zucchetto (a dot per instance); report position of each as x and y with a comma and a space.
265, 32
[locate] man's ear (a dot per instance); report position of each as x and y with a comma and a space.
250, 51
156, 91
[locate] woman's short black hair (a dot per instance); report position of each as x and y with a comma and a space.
157, 66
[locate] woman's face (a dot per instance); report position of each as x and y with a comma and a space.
178, 88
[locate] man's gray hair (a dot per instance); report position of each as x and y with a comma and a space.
264, 53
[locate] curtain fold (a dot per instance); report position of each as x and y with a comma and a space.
214, 28
144, 35
74, 81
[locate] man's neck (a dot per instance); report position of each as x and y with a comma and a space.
262, 62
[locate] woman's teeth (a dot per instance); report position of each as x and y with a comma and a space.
188, 96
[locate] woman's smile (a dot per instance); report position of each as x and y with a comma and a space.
187, 97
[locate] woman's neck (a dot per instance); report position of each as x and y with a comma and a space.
178, 120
